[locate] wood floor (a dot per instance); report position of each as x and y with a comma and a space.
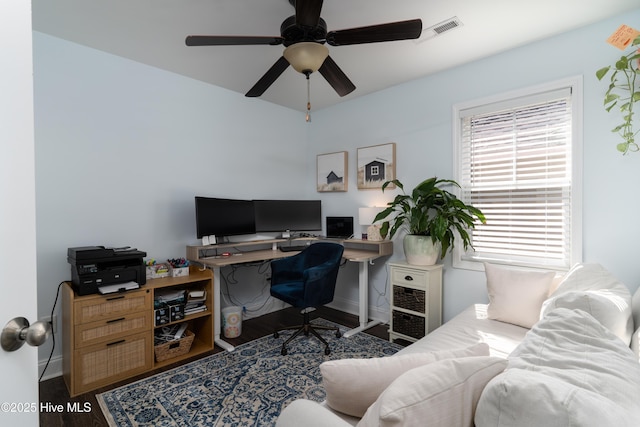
55, 392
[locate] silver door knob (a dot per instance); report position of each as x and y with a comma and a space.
18, 331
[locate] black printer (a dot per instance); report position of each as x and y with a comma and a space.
93, 267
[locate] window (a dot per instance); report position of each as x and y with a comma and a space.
519, 160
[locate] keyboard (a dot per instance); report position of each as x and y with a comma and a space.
293, 248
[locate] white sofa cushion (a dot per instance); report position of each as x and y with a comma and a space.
516, 296
470, 327
440, 394
569, 370
307, 413
352, 385
591, 288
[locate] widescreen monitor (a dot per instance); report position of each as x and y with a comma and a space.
288, 215
224, 217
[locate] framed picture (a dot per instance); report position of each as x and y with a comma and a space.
332, 172
376, 164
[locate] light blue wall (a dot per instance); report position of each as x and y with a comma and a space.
122, 148
417, 116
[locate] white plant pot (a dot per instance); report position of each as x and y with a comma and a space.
420, 250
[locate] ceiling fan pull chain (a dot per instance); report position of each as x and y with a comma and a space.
308, 117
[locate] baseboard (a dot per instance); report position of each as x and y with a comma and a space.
53, 370
260, 308
351, 307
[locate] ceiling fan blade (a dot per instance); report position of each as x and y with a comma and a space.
269, 77
402, 30
336, 77
232, 40
308, 12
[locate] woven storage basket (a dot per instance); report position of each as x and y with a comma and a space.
175, 348
409, 298
408, 324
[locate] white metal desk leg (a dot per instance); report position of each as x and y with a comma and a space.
217, 314
363, 291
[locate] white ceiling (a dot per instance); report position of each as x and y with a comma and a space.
153, 32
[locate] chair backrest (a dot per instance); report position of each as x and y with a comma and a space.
321, 252
317, 254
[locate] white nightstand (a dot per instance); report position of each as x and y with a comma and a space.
416, 300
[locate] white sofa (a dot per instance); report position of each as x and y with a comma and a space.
545, 352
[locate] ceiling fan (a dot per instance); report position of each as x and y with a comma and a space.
304, 35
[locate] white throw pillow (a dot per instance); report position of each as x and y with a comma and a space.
352, 385
516, 296
569, 370
591, 288
440, 394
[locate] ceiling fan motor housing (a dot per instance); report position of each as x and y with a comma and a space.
293, 33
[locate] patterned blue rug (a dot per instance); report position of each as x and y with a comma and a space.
247, 387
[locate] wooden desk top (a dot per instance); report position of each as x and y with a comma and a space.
354, 250
353, 255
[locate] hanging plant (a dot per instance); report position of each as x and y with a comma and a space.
624, 92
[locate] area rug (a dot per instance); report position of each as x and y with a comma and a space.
246, 387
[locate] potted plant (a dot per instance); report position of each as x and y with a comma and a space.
624, 92
431, 217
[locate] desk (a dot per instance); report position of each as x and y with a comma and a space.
360, 251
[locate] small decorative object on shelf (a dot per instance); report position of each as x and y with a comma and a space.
156, 270
179, 267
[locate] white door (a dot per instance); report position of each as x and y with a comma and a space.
19, 369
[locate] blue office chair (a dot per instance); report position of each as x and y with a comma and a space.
307, 280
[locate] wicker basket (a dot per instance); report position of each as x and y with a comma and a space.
408, 324
176, 348
409, 298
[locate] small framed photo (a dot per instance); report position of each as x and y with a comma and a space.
332, 172
376, 165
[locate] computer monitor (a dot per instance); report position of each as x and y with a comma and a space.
288, 215
224, 217
340, 227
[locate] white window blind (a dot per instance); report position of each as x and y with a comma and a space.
515, 165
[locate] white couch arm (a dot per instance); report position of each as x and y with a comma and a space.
310, 414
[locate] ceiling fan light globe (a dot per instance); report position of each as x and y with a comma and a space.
306, 57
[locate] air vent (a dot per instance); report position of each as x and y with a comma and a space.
449, 25
440, 28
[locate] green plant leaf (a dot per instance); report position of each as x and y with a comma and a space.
622, 63
602, 72
623, 147
625, 107
431, 211
384, 229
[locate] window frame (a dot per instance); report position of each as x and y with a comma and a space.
576, 86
